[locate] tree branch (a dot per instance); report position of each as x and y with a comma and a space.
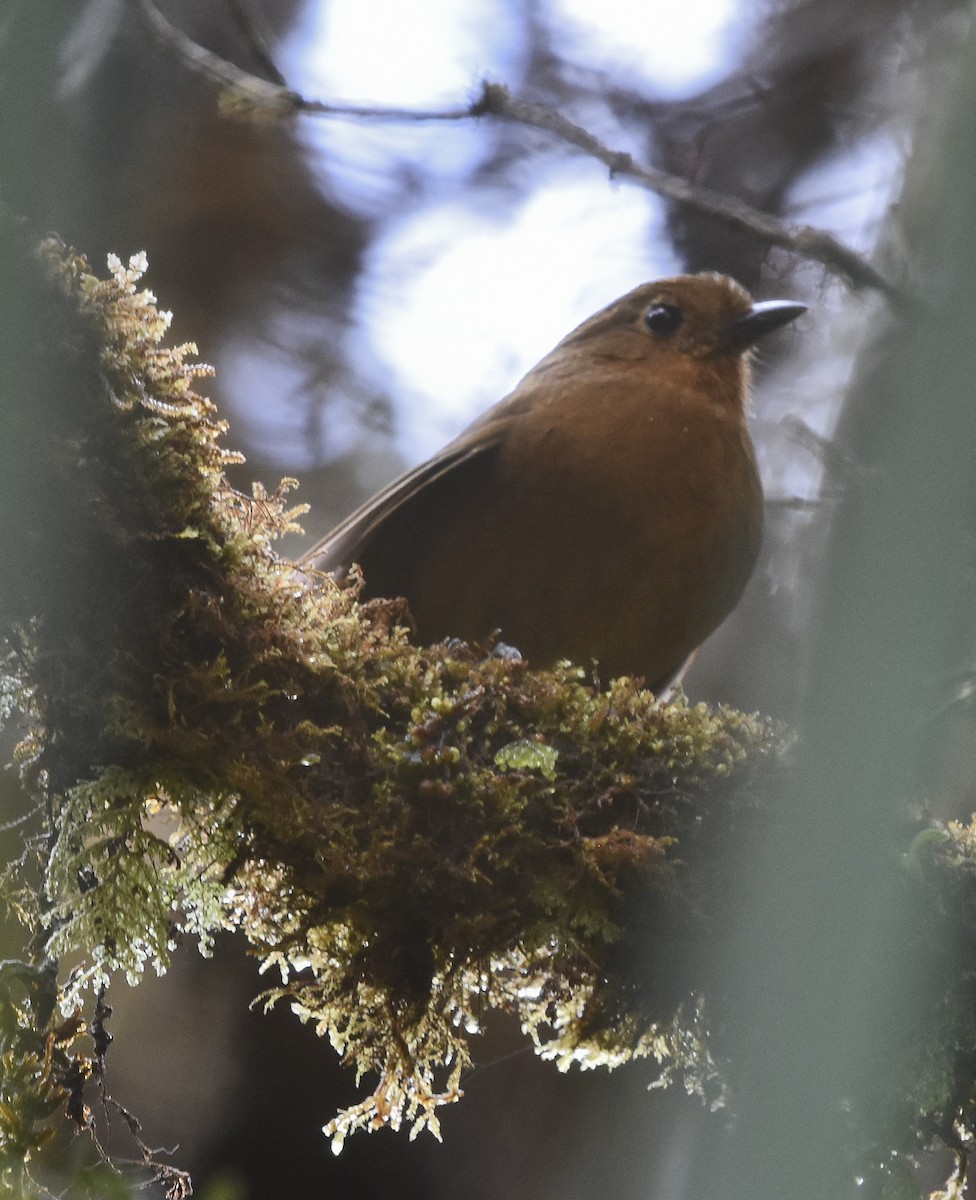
263, 94
430, 832
495, 100
804, 240
257, 35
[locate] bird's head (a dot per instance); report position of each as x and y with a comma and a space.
707, 316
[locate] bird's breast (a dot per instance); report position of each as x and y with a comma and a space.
641, 519
606, 524
645, 465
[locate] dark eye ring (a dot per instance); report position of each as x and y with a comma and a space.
663, 319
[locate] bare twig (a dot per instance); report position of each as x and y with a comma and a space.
270, 96
841, 467
796, 503
258, 36
804, 240
496, 101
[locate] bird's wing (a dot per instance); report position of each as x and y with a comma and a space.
339, 549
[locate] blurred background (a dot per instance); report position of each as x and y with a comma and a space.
365, 286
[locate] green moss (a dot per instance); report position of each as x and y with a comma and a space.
413, 835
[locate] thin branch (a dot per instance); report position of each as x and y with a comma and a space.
257, 34
269, 96
842, 468
496, 101
804, 240
264, 95
796, 503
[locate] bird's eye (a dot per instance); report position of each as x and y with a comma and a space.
663, 319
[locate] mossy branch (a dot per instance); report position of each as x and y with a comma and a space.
413, 835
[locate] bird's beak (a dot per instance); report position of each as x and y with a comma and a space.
761, 319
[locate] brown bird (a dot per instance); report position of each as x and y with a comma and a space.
609, 508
